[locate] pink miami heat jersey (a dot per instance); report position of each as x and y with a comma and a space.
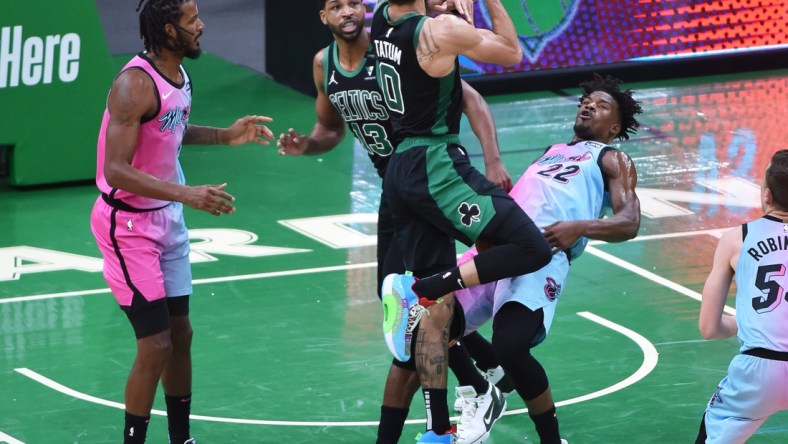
565, 183
160, 137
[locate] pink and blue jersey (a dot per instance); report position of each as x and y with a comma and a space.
144, 241
159, 139
565, 183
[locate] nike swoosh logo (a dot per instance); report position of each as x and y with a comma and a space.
488, 416
166, 95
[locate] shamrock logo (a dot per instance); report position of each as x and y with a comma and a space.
470, 213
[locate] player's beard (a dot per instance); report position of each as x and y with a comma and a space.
352, 37
185, 46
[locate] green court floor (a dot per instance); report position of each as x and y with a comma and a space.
287, 344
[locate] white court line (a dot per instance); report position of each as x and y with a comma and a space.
650, 276
243, 277
650, 357
9, 439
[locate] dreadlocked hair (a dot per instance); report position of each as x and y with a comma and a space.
627, 106
154, 15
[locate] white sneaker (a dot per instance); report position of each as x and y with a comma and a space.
498, 377
479, 413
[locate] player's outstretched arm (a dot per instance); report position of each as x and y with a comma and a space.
247, 129
131, 98
444, 37
329, 129
481, 120
500, 45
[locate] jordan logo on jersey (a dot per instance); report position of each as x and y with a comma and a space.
469, 213
332, 80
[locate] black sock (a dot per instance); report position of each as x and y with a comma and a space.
437, 285
392, 420
480, 350
547, 427
136, 429
462, 367
437, 410
178, 409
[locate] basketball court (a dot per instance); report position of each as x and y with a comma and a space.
288, 346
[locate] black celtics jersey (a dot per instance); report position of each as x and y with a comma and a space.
358, 100
420, 105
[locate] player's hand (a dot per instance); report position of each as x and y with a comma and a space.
463, 7
498, 175
210, 198
248, 129
292, 143
563, 234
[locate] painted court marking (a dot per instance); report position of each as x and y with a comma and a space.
589, 248
650, 276
650, 357
8, 439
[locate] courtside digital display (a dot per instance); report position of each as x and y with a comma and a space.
557, 34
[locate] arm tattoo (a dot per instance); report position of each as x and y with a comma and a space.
428, 47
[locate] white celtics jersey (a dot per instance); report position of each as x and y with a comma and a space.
565, 183
762, 285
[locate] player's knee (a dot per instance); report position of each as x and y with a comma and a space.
508, 347
538, 250
438, 318
182, 339
154, 351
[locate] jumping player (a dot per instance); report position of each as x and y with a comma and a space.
348, 96
436, 196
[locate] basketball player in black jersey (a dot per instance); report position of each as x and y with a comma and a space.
435, 194
348, 97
